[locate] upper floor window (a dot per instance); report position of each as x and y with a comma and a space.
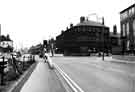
128, 13
133, 10
123, 30
134, 27
127, 28
124, 15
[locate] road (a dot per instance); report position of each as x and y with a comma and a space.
95, 75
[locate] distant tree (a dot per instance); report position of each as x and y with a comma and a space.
3, 38
8, 37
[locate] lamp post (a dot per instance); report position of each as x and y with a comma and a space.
103, 45
103, 38
102, 30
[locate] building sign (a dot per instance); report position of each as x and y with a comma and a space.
5, 44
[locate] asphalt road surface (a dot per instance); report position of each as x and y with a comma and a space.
95, 75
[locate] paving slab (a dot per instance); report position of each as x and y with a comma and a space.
43, 79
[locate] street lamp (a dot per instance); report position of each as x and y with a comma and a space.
102, 29
103, 38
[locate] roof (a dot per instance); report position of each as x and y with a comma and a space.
90, 23
128, 8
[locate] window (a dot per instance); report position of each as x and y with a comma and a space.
123, 29
128, 42
130, 12
133, 10
121, 17
127, 28
134, 27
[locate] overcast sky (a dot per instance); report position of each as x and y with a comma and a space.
28, 22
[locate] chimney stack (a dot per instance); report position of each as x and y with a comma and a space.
103, 21
66, 28
62, 31
82, 19
114, 29
71, 25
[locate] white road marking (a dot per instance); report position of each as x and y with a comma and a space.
72, 84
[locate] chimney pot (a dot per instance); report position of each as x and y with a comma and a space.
82, 19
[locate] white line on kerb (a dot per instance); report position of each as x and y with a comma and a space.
70, 82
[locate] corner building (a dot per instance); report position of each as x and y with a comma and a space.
84, 38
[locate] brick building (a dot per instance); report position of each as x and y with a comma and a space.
127, 22
85, 37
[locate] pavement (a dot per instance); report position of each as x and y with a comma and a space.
18, 84
113, 59
43, 79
